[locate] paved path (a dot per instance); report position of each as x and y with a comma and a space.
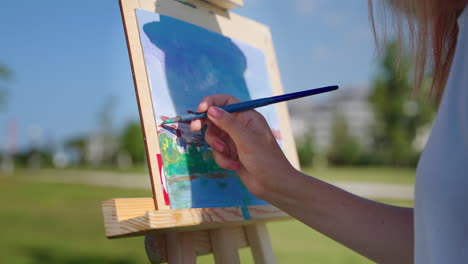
103, 178
141, 181
378, 190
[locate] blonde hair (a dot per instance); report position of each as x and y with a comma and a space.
432, 28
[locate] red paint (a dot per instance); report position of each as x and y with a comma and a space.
160, 167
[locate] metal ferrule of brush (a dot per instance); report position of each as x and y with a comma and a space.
191, 116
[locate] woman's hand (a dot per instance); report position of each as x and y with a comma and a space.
243, 142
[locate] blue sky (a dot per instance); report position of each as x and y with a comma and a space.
70, 57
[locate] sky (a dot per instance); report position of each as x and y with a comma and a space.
69, 58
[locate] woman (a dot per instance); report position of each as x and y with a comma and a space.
436, 230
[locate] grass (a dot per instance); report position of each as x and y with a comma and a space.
62, 223
363, 174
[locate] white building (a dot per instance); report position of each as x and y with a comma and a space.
317, 117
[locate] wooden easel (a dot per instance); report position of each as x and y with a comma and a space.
179, 236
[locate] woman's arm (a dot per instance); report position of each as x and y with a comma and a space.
378, 231
244, 142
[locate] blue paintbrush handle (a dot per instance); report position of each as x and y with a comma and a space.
242, 106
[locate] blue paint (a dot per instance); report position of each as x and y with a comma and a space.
245, 212
185, 63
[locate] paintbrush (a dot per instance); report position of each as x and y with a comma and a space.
242, 106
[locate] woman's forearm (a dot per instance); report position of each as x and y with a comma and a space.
378, 231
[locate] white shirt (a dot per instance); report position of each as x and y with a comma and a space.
441, 196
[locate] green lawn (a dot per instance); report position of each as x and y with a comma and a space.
62, 223
367, 174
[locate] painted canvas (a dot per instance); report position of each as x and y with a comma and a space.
185, 63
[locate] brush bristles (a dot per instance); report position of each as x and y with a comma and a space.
171, 120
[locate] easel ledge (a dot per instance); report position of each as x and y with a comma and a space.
136, 217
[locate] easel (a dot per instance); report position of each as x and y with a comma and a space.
179, 236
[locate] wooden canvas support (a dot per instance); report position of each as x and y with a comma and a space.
224, 4
208, 16
179, 236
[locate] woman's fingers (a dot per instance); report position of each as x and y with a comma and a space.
213, 138
216, 100
225, 162
211, 100
228, 123
196, 125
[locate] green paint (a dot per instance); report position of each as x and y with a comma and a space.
196, 159
167, 121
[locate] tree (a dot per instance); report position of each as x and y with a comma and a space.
397, 115
77, 144
5, 75
344, 148
306, 150
132, 142
103, 146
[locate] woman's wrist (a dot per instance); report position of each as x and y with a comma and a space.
281, 186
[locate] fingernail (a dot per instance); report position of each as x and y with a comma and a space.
215, 112
202, 107
219, 145
234, 166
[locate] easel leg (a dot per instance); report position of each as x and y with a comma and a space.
180, 248
260, 244
225, 247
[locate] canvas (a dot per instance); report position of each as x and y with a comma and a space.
185, 63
